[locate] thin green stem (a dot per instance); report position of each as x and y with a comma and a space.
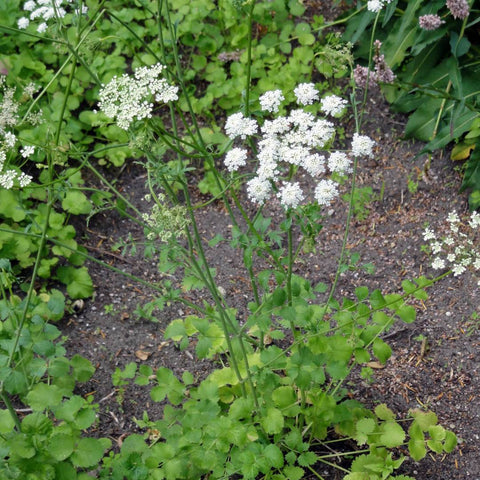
290, 270
248, 75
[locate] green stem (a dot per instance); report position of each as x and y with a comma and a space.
249, 58
289, 271
112, 188
11, 410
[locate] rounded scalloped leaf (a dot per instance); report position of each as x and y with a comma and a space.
89, 452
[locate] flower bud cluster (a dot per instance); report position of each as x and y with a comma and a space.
129, 97
457, 249
165, 222
296, 141
382, 73
430, 22
46, 10
458, 8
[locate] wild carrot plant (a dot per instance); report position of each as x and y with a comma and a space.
276, 403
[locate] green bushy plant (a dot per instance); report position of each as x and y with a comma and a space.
276, 404
433, 50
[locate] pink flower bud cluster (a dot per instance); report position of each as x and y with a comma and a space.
382, 73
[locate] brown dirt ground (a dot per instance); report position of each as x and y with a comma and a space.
434, 363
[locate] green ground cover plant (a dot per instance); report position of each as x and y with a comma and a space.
432, 47
120, 82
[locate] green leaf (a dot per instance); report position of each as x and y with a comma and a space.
416, 444
273, 421
78, 281
361, 293
424, 420
76, 202
88, 452
381, 350
306, 459
274, 456
459, 47
417, 449
293, 473
393, 434
82, 368
407, 313
364, 427
450, 442
60, 446
11, 205
43, 396
15, 382
7, 423
402, 35
384, 413
279, 296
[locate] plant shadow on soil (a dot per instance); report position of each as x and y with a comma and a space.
434, 362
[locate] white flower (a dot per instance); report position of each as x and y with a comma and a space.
301, 119
333, 105
436, 247
428, 234
290, 195
24, 179
325, 192
458, 270
451, 257
276, 127
438, 263
127, 98
268, 169
306, 93
339, 162
235, 158
23, 23
3, 157
9, 138
270, 101
6, 179
374, 5
476, 263
27, 151
362, 146
239, 126
474, 221
42, 28
320, 133
449, 241
269, 149
294, 155
258, 190
453, 217
29, 6
314, 164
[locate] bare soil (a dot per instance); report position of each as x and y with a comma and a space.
435, 361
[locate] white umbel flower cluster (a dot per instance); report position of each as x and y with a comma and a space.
43, 11
333, 105
129, 98
458, 249
306, 93
376, 5
271, 100
298, 141
9, 119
